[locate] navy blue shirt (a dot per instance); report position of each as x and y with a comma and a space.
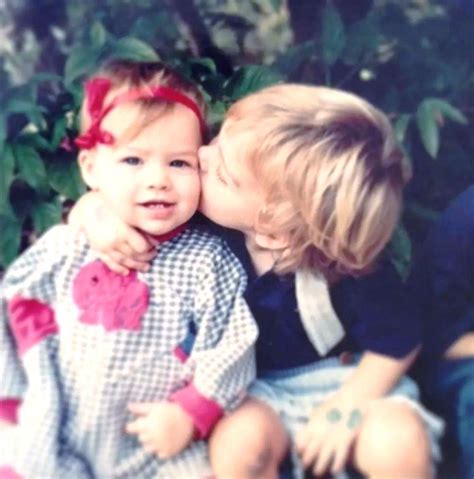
376, 311
443, 277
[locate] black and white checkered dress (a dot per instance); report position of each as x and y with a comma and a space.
76, 373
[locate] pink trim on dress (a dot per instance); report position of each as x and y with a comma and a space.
30, 322
110, 299
204, 412
6, 472
9, 409
180, 354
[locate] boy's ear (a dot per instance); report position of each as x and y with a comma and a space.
86, 164
272, 242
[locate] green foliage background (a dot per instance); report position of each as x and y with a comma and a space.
413, 59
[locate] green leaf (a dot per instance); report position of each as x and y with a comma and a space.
420, 212
7, 168
16, 105
30, 166
361, 39
45, 77
81, 62
59, 132
35, 140
449, 111
426, 122
291, 60
400, 127
399, 251
216, 112
206, 63
129, 48
46, 214
64, 177
249, 79
333, 35
98, 35
3, 129
276, 5
9, 239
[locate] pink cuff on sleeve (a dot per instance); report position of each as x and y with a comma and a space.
30, 322
203, 411
9, 409
7, 472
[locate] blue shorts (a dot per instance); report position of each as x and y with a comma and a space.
295, 393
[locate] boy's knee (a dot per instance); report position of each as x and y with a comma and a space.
394, 434
250, 443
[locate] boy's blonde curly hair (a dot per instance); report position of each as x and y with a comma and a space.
331, 171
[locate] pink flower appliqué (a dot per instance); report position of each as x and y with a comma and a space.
110, 299
30, 322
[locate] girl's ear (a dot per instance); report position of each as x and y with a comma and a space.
272, 242
87, 166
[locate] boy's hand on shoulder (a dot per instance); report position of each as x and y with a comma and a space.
163, 428
118, 245
326, 441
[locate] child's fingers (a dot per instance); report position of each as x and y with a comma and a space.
340, 458
151, 448
144, 257
115, 266
138, 242
140, 428
133, 427
140, 408
132, 264
118, 259
301, 439
323, 460
310, 452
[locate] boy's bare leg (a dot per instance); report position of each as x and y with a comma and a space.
393, 443
248, 444
462, 348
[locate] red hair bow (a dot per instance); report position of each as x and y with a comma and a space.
96, 90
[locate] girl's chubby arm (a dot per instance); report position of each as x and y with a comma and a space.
119, 246
326, 440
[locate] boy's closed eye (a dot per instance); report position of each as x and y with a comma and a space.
219, 176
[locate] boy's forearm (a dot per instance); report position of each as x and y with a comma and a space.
375, 376
82, 209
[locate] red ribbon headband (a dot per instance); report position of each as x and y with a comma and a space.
96, 91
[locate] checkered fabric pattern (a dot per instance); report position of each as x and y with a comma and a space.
75, 385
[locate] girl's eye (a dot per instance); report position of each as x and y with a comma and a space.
180, 163
132, 160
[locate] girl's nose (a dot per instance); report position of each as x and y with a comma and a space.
157, 177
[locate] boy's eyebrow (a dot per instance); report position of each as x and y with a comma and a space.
226, 169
